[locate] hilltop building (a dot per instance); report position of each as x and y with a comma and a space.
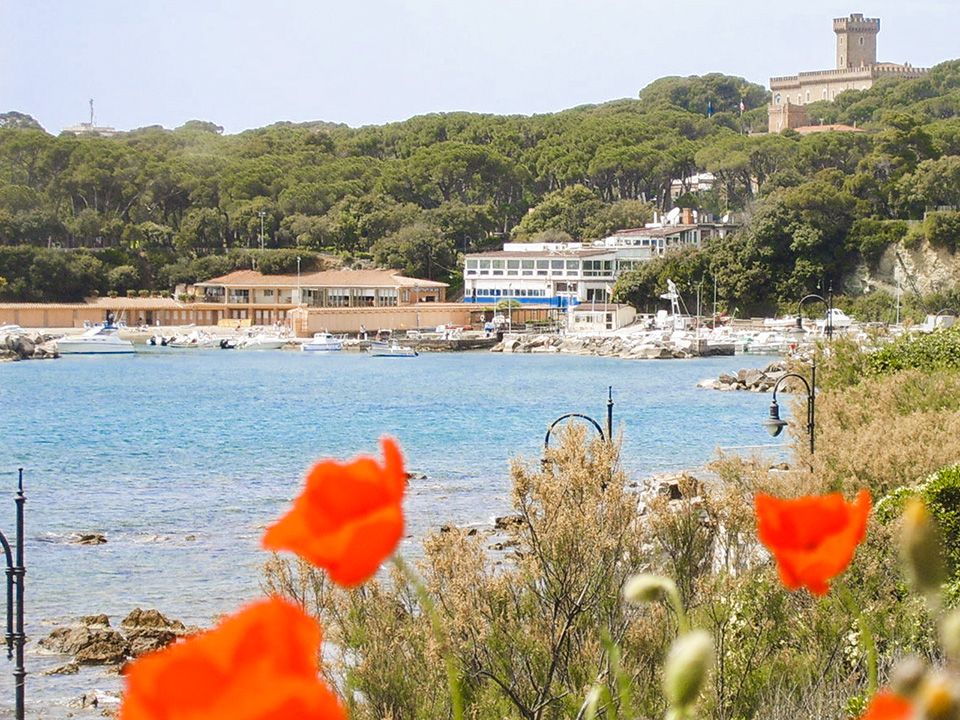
857, 69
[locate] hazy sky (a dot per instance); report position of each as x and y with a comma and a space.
245, 64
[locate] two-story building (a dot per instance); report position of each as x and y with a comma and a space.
264, 299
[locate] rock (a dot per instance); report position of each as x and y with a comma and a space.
727, 379
752, 378
416, 476
780, 466
190, 538
146, 640
150, 630
471, 532
88, 645
91, 539
71, 668
506, 522
100, 620
150, 619
446, 528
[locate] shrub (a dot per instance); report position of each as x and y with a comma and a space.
933, 351
942, 229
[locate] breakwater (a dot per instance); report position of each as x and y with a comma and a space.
642, 346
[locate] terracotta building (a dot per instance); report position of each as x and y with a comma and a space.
856, 69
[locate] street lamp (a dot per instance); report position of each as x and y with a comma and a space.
609, 434
828, 303
299, 292
262, 215
775, 425
16, 570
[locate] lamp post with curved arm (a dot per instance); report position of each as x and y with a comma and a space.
775, 425
15, 636
608, 436
828, 303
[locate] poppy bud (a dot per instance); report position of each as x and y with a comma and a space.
950, 635
908, 676
646, 588
921, 548
687, 667
938, 700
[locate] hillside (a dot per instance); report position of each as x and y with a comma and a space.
152, 207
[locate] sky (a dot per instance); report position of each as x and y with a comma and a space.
244, 63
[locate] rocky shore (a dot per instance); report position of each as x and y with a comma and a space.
92, 641
27, 346
636, 348
753, 380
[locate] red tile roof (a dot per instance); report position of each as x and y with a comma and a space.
325, 278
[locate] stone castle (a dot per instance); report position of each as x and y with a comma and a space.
857, 69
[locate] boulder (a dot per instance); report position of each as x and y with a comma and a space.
138, 619
91, 539
150, 630
88, 645
71, 668
506, 522
100, 620
752, 378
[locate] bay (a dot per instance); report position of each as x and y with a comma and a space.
181, 457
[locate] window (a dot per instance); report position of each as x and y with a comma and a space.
808, 96
556, 264
472, 264
861, 41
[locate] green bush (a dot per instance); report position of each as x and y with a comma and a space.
871, 237
940, 492
934, 351
942, 229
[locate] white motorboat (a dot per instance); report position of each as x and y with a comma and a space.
194, 339
96, 340
393, 349
262, 341
322, 342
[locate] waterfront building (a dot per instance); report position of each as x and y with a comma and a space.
856, 69
600, 317
562, 274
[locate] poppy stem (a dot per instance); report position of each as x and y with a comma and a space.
866, 637
673, 595
436, 626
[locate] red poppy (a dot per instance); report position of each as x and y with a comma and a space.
813, 539
260, 664
887, 706
348, 518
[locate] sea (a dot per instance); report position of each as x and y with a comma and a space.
181, 457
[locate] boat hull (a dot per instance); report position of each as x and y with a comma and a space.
72, 348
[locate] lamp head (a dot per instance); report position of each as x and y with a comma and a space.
799, 322
774, 424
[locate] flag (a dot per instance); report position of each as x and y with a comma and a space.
742, 106
709, 108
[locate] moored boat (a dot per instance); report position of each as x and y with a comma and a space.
393, 349
322, 342
96, 340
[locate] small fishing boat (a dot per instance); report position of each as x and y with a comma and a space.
393, 349
322, 342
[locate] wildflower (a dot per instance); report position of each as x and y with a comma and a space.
950, 635
938, 699
920, 545
813, 539
348, 517
260, 664
687, 667
887, 706
646, 588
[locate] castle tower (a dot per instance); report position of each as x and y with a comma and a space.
856, 41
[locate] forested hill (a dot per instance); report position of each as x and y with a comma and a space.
153, 207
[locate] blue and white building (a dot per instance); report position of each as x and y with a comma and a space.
562, 274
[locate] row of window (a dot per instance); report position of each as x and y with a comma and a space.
509, 292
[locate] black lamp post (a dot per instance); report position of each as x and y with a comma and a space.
775, 425
15, 636
828, 303
609, 434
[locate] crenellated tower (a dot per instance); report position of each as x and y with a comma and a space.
856, 41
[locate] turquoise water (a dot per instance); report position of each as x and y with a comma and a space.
181, 458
